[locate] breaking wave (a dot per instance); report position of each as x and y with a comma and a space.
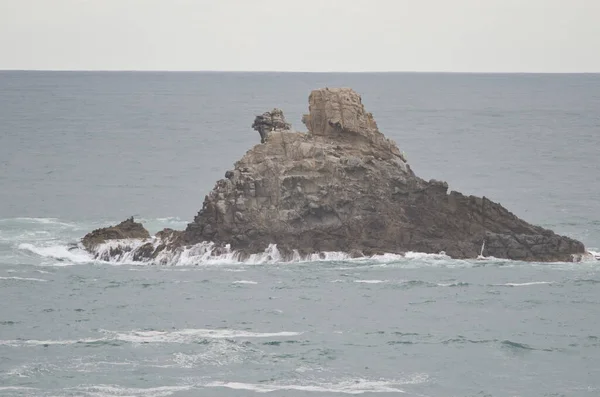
370, 281
342, 386
113, 390
23, 279
191, 335
49, 238
61, 253
346, 386
523, 284
421, 255
127, 252
43, 221
182, 336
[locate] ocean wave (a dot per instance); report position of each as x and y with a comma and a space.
346, 386
124, 252
405, 283
520, 346
63, 253
20, 235
42, 221
17, 388
343, 386
585, 281
428, 339
118, 391
244, 282
127, 252
23, 279
220, 353
371, 281
421, 255
164, 221
182, 336
527, 284
456, 284
208, 253
191, 335
103, 391
53, 366
46, 343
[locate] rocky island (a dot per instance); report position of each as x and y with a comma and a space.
340, 186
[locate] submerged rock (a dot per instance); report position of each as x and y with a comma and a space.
343, 186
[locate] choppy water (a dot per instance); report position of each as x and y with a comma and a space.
78, 151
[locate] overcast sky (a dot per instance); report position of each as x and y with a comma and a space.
302, 35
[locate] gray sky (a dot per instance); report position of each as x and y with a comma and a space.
302, 35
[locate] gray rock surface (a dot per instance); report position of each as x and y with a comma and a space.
128, 229
343, 186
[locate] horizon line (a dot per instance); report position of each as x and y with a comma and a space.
280, 71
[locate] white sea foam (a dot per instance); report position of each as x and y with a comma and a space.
305, 368
16, 388
523, 284
170, 219
191, 335
324, 257
244, 282
43, 221
421, 255
386, 258
139, 337
123, 252
33, 342
346, 386
220, 353
58, 252
29, 235
23, 279
208, 253
81, 364
119, 391
456, 284
371, 281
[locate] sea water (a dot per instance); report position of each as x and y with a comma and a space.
84, 150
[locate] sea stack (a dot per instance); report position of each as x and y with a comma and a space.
343, 186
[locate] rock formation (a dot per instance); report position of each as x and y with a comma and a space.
270, 121
128, 229
343, 186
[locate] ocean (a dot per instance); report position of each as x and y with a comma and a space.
81, 150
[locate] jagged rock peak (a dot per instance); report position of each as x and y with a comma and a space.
338, 115
335, 110
270, 121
